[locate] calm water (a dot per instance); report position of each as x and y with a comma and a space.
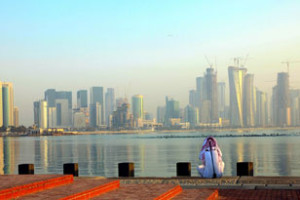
154, 154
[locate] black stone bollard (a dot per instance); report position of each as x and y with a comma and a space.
244, 169
26, 169
183, 169
126, 169
71, 168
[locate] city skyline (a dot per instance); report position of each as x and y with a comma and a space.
136, 47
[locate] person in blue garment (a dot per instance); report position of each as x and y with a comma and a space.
211, 157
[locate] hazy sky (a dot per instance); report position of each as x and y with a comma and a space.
155, 48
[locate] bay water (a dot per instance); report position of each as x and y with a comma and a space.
273, 152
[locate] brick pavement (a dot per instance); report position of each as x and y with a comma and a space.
136, 191
236, 188
79, 185
234, 194
199, 194
9, 181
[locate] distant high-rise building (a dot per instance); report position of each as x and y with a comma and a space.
249, 101
281, 108
109, 105
193, 98
200, 94
274, 104
65, 95
8, 104
191, 115
62, 113
120, 101
261, 109
137, 107
52, 117
138, 110
43, 114
82, 99
161, 112
236, 81
16, 116
95, 115
96, 96
212, 93
122, 119
172, 110
52, 96
295, 107
79, 119
36, 113
221, 99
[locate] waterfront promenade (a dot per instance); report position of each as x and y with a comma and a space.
69, 187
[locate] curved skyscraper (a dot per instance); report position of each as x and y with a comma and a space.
236, 80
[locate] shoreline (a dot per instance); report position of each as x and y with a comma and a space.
141, 131
207, 130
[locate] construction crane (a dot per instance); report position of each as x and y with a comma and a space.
238, 61
209, 63
288, 64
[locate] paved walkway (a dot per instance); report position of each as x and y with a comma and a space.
67, 187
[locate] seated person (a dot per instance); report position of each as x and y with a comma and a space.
211, 157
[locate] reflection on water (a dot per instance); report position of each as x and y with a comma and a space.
154, 154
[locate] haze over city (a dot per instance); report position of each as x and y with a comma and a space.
156, 49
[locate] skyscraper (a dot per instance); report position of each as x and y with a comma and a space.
63, 118
137, 107
52, 96
109, 105
200, 95
82, 101
122, 118
281, 96
193, 98
295, 107
221, 99
212, 93
52, 116
16, 116
236, 80
43, 114
172, 110
36, 113
96, 96
160, 113
249, 101
261, 109
8, 104
191, 115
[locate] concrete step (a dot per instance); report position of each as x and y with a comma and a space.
13, 186
81, 188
